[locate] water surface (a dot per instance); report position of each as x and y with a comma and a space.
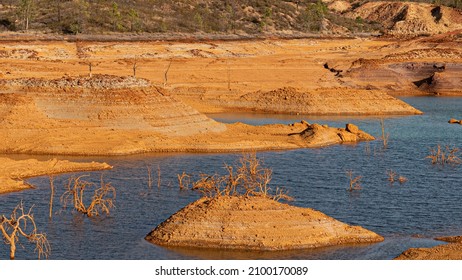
408, 215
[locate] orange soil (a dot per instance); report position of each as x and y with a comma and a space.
254, 223
13, 171
82, 116
451, 251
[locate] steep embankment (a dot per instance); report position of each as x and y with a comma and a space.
256, 223
423, 66
410, 19
108, 115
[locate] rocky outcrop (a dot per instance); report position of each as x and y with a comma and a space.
454, 121
316, 135
254, 223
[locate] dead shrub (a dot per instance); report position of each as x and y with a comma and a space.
393, 177
248, 178
22, 224
355, 182
446, 156
101, 202
184, 180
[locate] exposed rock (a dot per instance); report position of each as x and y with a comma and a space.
254, 223
318, 135
352, 128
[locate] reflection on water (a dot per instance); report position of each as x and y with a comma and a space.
427, 205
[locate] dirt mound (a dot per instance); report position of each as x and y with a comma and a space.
410, 19
451, 251
335, 101
255, 223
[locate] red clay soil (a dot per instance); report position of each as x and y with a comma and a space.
254, 223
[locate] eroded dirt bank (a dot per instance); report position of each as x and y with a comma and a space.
288, 100
109, 115
12, 172
256, 223
237, 68
451, 251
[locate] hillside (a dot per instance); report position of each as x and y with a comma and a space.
407, 18
241, 17
162, 16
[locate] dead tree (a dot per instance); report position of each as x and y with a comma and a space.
22, 224
101, 202
166, 74
52, 194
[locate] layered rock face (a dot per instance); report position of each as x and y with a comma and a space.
256, 223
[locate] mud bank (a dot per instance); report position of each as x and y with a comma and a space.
255, 223
12, 172
103, 116
451, 251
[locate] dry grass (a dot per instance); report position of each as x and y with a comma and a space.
101, 202
355, 182
446, 156
22, 224
248, 178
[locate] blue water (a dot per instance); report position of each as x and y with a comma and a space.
408, 215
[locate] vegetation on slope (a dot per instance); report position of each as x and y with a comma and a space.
210, 16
